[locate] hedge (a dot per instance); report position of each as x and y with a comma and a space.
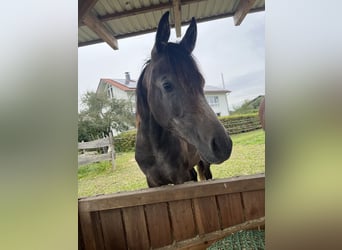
234, 124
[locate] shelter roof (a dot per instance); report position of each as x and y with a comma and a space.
110, 20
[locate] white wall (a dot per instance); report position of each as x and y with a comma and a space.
221, 107
117, 93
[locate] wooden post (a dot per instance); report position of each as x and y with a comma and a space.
111, 149
83, 150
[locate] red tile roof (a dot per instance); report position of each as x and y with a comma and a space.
119, 83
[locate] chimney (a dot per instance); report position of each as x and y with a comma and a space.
128, 78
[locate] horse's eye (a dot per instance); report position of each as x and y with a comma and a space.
167, 86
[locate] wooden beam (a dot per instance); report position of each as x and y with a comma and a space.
243, 8
177, 16
84, 6
97, 26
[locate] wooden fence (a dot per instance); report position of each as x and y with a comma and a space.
90, 157
186, 216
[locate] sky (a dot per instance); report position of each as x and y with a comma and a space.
222, 49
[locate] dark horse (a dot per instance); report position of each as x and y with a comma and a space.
176, 128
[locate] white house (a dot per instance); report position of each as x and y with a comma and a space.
125, 89
217, 98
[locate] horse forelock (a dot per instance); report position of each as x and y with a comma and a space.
179, 62
182, 64
185, 67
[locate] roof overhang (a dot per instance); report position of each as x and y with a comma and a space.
110, 20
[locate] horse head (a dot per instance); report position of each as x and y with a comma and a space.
172, 92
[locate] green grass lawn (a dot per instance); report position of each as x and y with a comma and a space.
248, 157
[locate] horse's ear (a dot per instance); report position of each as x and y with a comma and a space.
163, 33
189, 39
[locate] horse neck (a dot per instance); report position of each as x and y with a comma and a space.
176, 151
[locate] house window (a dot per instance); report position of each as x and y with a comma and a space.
110, 92
213, 101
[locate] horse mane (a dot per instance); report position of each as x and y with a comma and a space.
141, 94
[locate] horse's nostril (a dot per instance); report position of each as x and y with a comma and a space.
221, 147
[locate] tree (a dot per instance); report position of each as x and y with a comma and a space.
101, 114
248, 106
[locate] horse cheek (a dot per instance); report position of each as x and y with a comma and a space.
159, 107
177, 110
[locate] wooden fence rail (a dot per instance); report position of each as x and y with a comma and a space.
99, 143
187, 216
87, 158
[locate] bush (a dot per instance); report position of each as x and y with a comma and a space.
125, 142
234, 124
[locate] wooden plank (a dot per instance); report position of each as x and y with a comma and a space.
99, 143
254, 204
158, 223
243, 8
135, 227
87, 231
113, 229
80, 235
96, 222
87, 159
177, 16
182, 220
206, 215
231, 209
97, 27
173, 193
111, 149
